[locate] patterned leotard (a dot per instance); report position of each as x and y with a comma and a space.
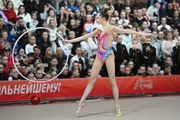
103, 50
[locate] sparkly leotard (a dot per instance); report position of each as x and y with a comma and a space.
103, 50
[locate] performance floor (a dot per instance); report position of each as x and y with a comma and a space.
146, 108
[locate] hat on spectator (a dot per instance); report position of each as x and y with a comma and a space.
6, 49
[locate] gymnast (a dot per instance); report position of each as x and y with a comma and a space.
104, 54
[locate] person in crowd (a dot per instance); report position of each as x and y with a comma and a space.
61, 57
13, 74
10, 14
149, 53
121, 70
32, 43
22, 13
121, 54
168, 44
176, 58
2, 77
30, 75
65, 73
20, 54
19, 28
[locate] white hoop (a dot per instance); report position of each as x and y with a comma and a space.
38, 81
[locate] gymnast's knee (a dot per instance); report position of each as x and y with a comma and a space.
92, 80
112, 81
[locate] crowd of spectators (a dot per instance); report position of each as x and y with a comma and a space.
41, 54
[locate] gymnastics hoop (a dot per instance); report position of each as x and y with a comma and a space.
38, 81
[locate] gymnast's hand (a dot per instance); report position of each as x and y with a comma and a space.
66, 41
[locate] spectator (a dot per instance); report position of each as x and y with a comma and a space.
10, 14
7, 52
157, 44
26, 61
2, 44
162, 11
78, 16
61, 57
149, 53
169, 12
13, 74
34, 20
121, 54
92, 3
152, 12
37, 54
108, 4
30, 75
127, 71
150, 71
65, 73
122, 20
39, 74
65, 4
48, 55
42, 23
75, 73
88, 24
163, 24
5, 38
142, 71
135, 55
132, 68
51, 15
53, 74
76, 5
2, 77
44, 41
175, 22
89, 73
167, 70
176, 57
32, 43
19, 29
121, 70
22, 13
93, 45
91, 11
52, 32
154, 27
82, 73
5, 20
156, 69
167, 45
140, 19
3, 25
161, 36
58, 43
118, 6
4, 60
78, 57
20, 54
47, 76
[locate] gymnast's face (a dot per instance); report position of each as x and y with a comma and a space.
99, 19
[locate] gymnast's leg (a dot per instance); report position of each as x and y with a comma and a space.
111, 72
95, 71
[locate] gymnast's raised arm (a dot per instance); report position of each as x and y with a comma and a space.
85, 37
119, 30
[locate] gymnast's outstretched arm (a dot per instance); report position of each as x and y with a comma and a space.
119, 30
85, 37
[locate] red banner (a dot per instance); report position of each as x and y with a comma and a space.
72, 88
